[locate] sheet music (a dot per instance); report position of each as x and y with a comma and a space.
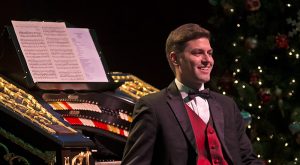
88, 54
51, 55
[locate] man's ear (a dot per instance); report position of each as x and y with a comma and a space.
173, 58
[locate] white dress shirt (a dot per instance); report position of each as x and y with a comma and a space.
198, 104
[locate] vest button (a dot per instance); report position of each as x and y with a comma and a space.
216, 161
213, 147
211, 131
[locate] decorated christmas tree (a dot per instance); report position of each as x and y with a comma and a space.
256, 46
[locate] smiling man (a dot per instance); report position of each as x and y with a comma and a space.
186, 124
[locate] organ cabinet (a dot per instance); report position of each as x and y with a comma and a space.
53, 114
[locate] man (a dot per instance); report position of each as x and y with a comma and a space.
174, 127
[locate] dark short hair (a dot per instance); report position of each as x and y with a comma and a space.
177, 38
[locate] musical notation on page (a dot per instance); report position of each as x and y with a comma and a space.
55, 53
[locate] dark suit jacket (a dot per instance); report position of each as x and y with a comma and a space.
161, 132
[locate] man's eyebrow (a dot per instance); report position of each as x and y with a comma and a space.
200, 49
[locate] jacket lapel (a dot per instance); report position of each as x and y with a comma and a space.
217, 115
177, 106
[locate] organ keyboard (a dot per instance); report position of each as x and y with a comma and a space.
100, 119
103, 116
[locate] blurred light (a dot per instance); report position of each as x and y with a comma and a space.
269, 161
250, 104
271, 136
259, 106
286, 144
259, 82
236, 81
258, 117
238, 25
293, 81
258, 139
258, 155
290, 53
234, 44
231, 10
297, 55
276, 58
259, 67
243, 86
249, 126
238, 70
224, 93
236, 60
288, 5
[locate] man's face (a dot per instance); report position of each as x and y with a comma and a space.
196, 63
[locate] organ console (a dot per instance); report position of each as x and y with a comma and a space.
64, 123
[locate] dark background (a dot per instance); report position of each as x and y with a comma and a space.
131, 34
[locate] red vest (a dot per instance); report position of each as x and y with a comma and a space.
208, 144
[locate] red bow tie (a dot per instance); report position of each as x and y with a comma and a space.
203, 93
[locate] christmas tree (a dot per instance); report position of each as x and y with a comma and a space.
256, 46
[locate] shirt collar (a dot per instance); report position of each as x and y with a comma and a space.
183, 89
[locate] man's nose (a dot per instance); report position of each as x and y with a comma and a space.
206, 57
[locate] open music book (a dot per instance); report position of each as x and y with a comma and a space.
55, 53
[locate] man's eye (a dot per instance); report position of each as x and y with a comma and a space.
197, 52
